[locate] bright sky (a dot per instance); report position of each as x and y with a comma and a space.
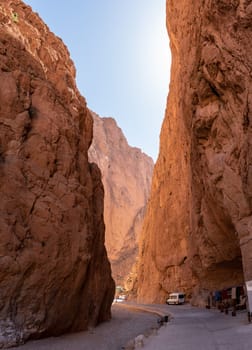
121, 52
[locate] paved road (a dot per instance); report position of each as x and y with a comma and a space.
125, 325
190, 329
201, 329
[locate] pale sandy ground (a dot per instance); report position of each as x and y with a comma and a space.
189, 329
113, 335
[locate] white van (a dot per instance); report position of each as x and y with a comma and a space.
176, 298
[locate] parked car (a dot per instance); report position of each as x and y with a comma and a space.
176, 298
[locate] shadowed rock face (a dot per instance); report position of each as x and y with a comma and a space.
54, 272
197, 233
126, 175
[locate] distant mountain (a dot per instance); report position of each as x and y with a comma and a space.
126, 175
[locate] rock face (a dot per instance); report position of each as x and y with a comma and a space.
54, 272
197, 234
126, 175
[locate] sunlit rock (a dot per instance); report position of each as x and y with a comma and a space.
126, 175
197, 233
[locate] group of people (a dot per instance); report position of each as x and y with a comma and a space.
234, 297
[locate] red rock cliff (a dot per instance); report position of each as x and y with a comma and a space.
126, 175
54, 272
197, 233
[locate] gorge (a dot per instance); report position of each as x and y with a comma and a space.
55, 275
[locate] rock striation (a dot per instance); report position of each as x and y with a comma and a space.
54, 272
197, 233
126, 175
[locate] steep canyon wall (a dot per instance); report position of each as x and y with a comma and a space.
54, 271
126, 175
197, 233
